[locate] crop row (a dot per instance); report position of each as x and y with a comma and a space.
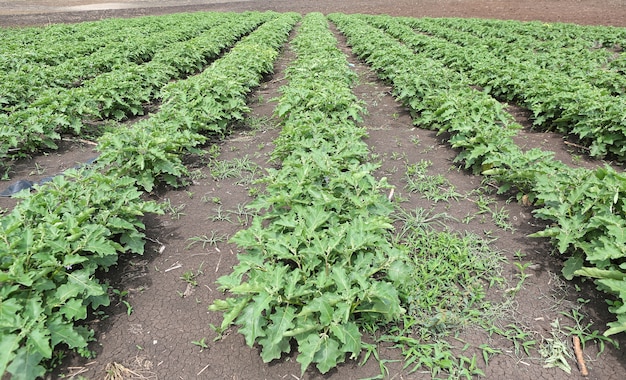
204, 104
318, 264
587, 208
54, 240
584, 59
54, 44
118, 93
26, 82
556, 100
540, 33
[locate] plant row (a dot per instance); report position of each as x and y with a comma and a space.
587, 208
586, 60
55, 240
56, 43
318, 265
119, 93
51, 246
151, 150
25, 83
539, 33
556, 100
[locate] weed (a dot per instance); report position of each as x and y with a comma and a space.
220, 216
197, 174
207, 240
259, 123
468, 218
435, 188
190, 278
418, 219
398, 156
121, 295
446, 293
488, 352
214, 152
519, 255
584, 333
522, 340
254, 192
39, 170
554, 351
522, 277
232, 169
175, 212
243, 214
500, 218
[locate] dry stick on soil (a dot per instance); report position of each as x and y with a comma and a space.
576, 145
116, 371
579, 356
88, 142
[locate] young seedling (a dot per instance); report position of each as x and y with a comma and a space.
190, 278
200, 343
121, 295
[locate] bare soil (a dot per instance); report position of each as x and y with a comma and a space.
168, 314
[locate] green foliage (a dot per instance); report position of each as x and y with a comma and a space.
318, 262
586, 207
52, 243
122, 89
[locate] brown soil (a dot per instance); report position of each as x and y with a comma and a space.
155, 340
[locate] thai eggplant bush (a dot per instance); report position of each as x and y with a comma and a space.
586, 206
51, 246
318, 265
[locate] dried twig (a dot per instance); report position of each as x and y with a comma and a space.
576, 145
75, 139
390, 197
579, 356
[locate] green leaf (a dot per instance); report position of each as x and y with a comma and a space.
399, 272
9, 343
252, 319
133, 242
101, 246
25, 365
350, 337
323, 306
328, 355
275, 342
40, 339
307, 348
84, 283
341, 279
572, 264
74, 310
9, 311
62, 332
616, 327
600, 273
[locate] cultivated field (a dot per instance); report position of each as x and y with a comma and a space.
274, 195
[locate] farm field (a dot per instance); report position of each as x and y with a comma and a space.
278, 194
